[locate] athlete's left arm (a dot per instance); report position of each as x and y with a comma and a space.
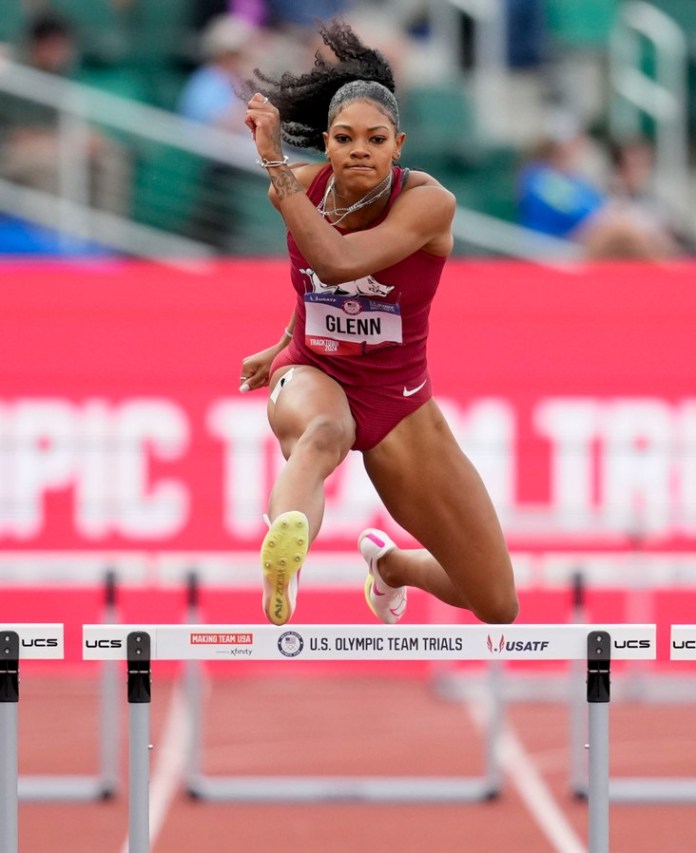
420, 218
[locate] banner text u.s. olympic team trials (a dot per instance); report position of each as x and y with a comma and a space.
121, 424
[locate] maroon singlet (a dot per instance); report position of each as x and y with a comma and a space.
370, 335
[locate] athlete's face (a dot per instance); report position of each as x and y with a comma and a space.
361, 145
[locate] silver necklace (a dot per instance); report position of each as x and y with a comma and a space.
370, 197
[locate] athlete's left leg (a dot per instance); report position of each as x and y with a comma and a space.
434, 492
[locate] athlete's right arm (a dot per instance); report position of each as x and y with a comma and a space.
421, 217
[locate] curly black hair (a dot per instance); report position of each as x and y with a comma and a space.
303, 100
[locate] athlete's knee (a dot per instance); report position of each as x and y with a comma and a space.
500, 609
328, 437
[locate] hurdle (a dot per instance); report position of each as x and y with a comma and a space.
487, 786
140, 645
17, 642
661, 790
631, 789
103, 784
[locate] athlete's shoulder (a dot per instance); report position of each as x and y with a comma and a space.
416, 178
420, 188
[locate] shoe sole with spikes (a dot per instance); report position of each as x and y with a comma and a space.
283, 551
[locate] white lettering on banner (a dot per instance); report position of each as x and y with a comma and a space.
686, 452
487, 431
39, 455
160, 427
95, 504
242, 426
637, 465
621, 465
102, 451
571, 426
611, 466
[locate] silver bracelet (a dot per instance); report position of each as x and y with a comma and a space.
288, 334
268, 164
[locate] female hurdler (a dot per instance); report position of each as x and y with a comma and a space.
367, 242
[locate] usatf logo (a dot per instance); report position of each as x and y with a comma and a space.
290, 644
493, 647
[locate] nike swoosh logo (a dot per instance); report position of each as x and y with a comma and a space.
412, 391
399, 609
375, 590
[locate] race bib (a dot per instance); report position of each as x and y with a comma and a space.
349, 325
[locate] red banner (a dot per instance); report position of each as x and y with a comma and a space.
121, 426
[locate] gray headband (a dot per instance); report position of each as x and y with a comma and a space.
359, 90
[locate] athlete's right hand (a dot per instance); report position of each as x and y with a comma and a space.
256, 369
263, 120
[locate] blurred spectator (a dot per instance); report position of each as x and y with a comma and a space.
557, 197
252, 11
526, 33
20, 237
304, 13
30, 140
377, 27
555, 194
209, 95
632, 193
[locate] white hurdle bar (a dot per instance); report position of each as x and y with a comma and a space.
595, 644
18, 641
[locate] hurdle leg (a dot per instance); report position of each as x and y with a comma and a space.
577, 716
103, 784
109, 705
9, 705
494, 728
139, 695
193, 691
598, 695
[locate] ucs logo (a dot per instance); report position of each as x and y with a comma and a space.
40, 643
103, 644
631, 644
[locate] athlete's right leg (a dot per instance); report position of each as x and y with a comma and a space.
309, 413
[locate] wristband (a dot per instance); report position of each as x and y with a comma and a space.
288, 334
